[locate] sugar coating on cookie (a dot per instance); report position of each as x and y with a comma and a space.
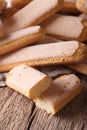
20, 33
38, 10
36, 52
28, 81
63, 25
62, 91
8, 3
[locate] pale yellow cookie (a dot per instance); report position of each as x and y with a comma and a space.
32, 14
80, 67
66, 27
69, 7
2, 5
82, 5
21, 38
7, 13
45, 54
18, 4
28, 81
62, 91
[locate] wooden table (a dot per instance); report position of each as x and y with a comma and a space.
19, 113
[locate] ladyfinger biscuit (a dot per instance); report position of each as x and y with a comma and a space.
8, 3
21, 38
38, 10
7, 13
2, 5
61, 92
69, 7
18, 4
82, 5
80, 67
45, 54
66, 27
28, 81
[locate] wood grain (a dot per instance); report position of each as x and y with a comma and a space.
19, 113
15, 110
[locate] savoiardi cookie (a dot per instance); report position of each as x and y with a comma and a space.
82, 5
36, 15
21, 38
45, 54
62, 91
28, 81
66, 27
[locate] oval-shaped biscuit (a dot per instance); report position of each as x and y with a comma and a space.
46, 54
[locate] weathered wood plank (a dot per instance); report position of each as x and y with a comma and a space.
19, 113
15, 110
71, 117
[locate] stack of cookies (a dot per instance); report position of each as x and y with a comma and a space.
44, 33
